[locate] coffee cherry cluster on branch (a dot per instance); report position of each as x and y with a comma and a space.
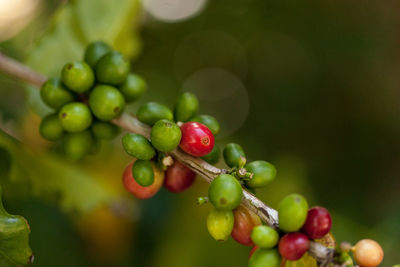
87, 96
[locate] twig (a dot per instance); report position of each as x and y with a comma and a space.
322, 254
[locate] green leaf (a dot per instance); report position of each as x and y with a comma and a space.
73, 27
48, 176
14, 239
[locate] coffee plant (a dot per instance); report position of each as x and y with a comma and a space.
168, 147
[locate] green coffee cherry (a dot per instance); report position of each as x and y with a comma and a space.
292, 212
186, 107
225, 192
106, 102
77, 145
133, 87
165, 135
95, 51
77, 76
138, 146
263, 173
51, 128
104, 130
208, 121
54, 94
263, 257
143, 173
75, 117
152, 112
220, 224
213, 156
232, 153
264, 236
112, 68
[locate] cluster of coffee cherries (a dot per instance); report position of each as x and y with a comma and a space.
182, 128
87, 96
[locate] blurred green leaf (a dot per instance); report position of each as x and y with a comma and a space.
75, 25
49, 176
14, 239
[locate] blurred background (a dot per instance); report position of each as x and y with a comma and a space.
310, 86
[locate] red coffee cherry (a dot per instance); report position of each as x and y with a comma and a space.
139, 191
245, 220
292, 246
318, 223
178, 177
197, 140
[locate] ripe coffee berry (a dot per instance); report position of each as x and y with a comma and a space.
51, 128
75, 117
186, 107
232, 153
245, 221
318, 222
225, 192
220, 224
178, 177
263, 173
133, 87
152, 112
264, 236
264, 257
138, 146
112, 68
106, 102
197, 140
208, 121
142, 192
292, 212
368, 253
292, 246
78, 76
143, 173
54, 94
165, 135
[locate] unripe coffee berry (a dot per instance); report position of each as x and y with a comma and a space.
197, 140
292, 246
112, 68
165, 135
263, 257
77, 145
138, 146
292, 212
133, 87
368, 253
78, 76
213, 156
263, 173
51, 128
142, 192
245, 221
75, 117
54, 94
106, 102
220, 224
208, 121
151, 112
186, 107
95, 51
232, 153
143, 173
225, 192
318, 223
178, 177
104, 130
264, 236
